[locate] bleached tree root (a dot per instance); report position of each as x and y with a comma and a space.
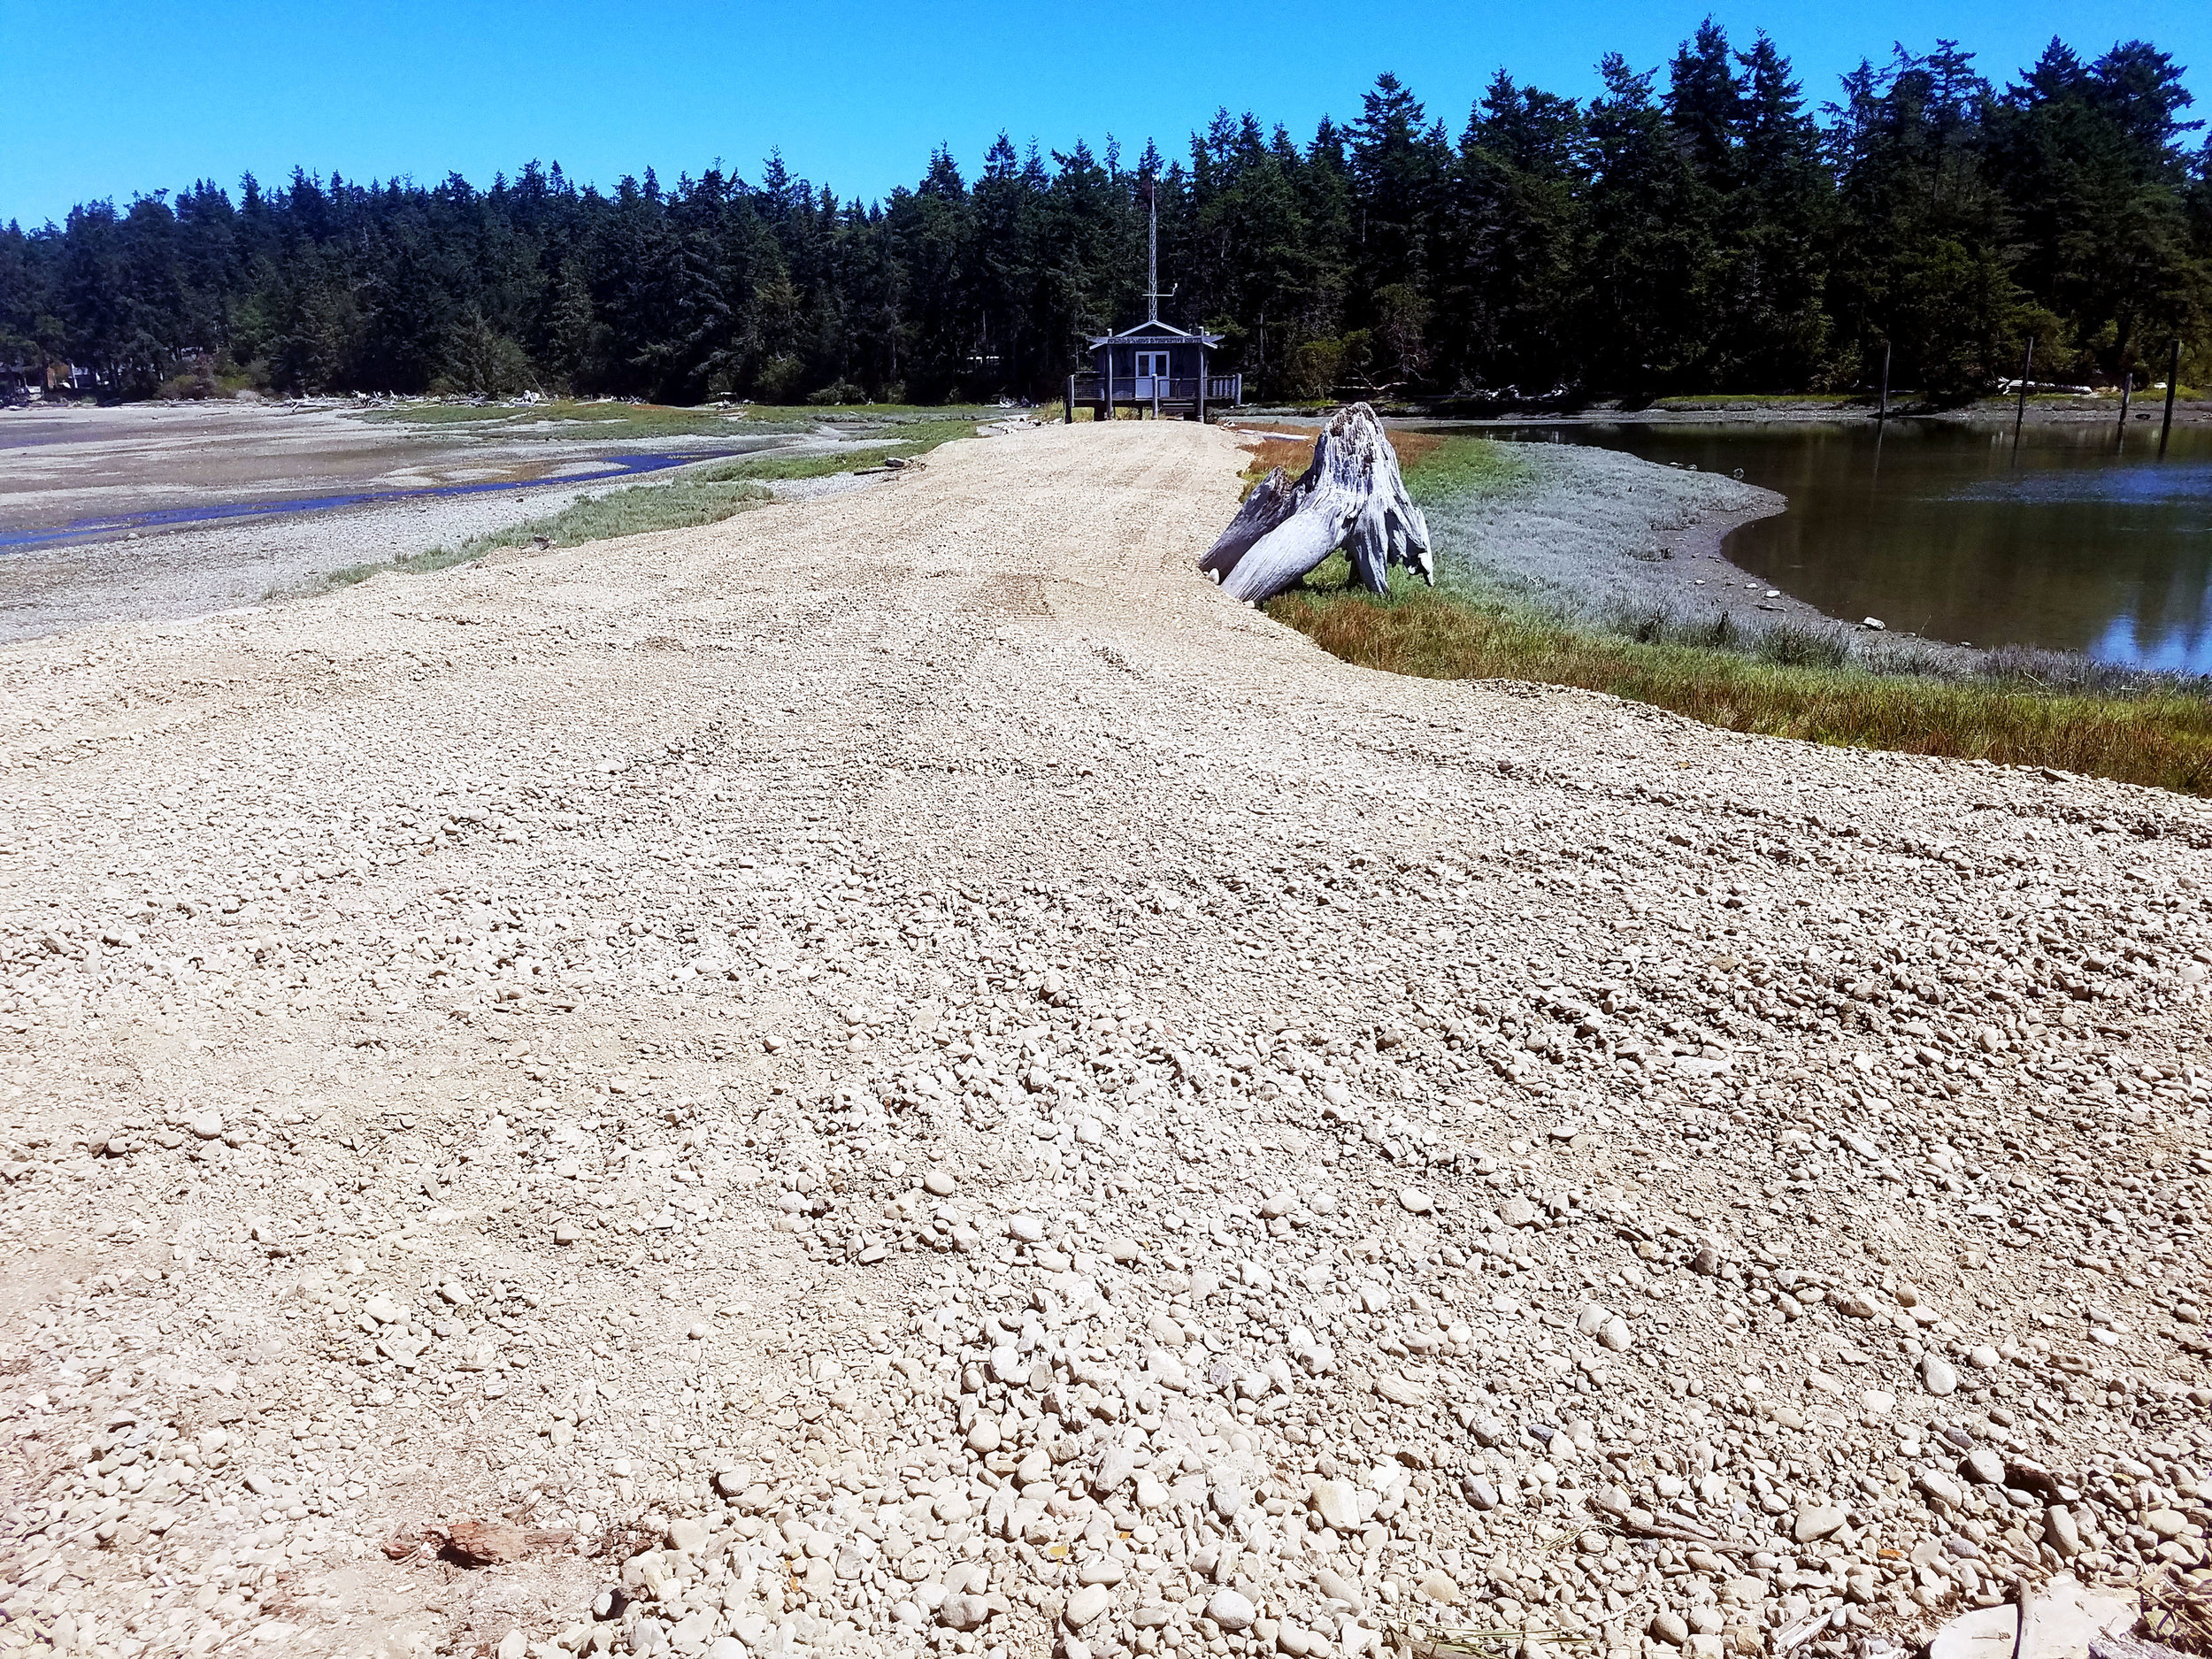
1351, 496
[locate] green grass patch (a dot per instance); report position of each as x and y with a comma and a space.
903, 441
919, 435
1459, 467
770, 469
441, 414
680, 505
874, 414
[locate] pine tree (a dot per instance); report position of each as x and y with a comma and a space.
1399, 163
1704, 237
1654, 264
1705, 106
573, 343
1508, 275
2090, 158
1775, 225
1922, 249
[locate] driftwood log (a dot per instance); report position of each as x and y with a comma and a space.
1350, 498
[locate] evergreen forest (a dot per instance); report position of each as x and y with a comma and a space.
1705, 226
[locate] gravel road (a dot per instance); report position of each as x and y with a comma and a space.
898, 1074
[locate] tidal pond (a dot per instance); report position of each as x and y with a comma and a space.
2073, 541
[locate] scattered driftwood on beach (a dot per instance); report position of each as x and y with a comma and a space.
1350, 498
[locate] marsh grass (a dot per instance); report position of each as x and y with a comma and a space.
679, 505
1791, 645
2159, 738
1443, 470
1818, 683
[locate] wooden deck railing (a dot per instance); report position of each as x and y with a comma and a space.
1128, 388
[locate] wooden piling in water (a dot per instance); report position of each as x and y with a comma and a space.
2173, 379
2027, 368
1882, 413
2127, 391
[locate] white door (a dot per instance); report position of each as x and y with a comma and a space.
1151, 365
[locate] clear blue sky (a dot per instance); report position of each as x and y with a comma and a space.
112, 97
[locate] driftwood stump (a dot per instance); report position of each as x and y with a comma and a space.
1350, 498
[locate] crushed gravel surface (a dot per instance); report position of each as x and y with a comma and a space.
898, 1074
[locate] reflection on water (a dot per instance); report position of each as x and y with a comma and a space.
2073, 542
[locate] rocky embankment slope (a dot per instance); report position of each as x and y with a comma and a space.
898, 1074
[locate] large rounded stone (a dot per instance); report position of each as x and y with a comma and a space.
1231, 1609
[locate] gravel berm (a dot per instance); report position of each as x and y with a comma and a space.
898, 1073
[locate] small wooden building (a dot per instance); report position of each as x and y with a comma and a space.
1155, 366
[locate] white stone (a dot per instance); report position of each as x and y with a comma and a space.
1337, 1503
1231, 1609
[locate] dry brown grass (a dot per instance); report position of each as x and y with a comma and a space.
2177, 1611
1295, 455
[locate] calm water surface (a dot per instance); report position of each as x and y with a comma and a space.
2074, 542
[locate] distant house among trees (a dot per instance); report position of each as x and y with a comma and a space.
1154, 365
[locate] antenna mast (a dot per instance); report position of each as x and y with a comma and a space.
1152, 258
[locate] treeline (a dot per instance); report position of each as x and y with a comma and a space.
1706, 230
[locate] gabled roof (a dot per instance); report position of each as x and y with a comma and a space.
1156, 332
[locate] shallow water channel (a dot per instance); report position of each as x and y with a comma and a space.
613, 468
2073, 541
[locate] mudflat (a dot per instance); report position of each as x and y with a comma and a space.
899, 1072
58, 464
90, 467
